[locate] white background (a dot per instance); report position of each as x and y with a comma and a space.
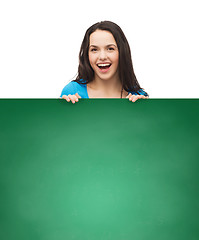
40, 42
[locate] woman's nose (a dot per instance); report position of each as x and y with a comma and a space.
102, 55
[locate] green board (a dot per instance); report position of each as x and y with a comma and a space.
99, 169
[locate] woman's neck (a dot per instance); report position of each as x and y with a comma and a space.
110, 86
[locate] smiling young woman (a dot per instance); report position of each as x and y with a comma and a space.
104, 59
105, 66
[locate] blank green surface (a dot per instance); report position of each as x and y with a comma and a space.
99, 169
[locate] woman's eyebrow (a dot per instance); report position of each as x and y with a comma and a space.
106, 45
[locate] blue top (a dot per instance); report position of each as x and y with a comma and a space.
74, 87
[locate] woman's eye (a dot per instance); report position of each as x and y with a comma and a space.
93, 50
110, 49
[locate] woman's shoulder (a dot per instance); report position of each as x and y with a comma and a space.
74, 87
69, 89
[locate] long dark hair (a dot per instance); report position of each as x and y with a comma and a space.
126, 72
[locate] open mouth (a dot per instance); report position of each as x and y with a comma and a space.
104, 66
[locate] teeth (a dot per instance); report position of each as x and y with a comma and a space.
103, 65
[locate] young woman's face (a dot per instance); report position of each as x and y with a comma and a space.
103, 54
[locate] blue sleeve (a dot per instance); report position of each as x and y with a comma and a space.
68, 89
141, 92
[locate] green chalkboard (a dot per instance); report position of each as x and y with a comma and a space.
99, 169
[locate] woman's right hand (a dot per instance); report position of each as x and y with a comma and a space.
72, 98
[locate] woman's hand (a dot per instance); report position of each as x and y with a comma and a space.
134, 98
72, 98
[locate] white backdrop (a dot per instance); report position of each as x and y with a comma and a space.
40, 42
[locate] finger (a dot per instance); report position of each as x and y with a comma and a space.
142, 96
135, 98
72, 98
66, 97
78, 95
128, 95
132, 97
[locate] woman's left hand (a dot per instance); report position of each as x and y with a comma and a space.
134, 98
